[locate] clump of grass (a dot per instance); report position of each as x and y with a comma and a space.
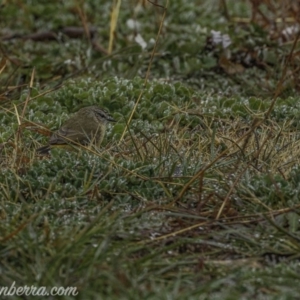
118, 204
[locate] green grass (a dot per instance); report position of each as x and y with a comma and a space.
194, 193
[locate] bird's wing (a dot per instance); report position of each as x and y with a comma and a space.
65, 135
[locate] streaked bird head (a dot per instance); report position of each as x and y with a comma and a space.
102, 115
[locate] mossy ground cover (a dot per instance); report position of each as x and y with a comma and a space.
194, 193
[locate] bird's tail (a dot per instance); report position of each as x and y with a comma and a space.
43, 150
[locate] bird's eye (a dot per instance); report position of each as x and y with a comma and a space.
101, 114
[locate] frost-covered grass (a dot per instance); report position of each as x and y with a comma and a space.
194, 193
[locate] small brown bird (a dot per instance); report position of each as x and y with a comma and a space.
85, 127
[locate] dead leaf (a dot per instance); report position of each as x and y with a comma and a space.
230, 67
